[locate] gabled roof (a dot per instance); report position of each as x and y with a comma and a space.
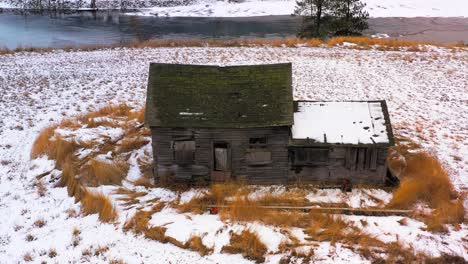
219, 97
348, 123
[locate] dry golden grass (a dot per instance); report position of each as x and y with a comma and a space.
41, 189
243, 209
139, 222
248, 244
195, 244
39, 223
215, 196
99, 172
291, 198
143, 181
42, 145
98, 204
97, 122
446, 213
424, 179
139, 115
52, 253
28, 257
118, 110
131, 143
363, 42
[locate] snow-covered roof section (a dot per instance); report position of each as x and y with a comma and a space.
342, 122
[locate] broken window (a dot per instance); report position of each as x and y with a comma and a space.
258, 142
310, 156
184, 152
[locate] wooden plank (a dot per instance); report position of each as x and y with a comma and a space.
332, 210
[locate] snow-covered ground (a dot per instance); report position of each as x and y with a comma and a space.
376, 8
247, 8
426, 94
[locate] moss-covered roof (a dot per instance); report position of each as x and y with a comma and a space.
219, 97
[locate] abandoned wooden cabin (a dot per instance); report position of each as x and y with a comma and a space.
233, 122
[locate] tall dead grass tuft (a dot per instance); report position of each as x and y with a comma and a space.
424, 179
99, 172
139, 115
98, 204
291, 198
248, 244
43, 145
217, 195
242, 209
450, 212
139, 222
64, 148
195, 243
131, 143
326, 228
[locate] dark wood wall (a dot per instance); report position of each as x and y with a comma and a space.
281, 169
336, 169
238, 139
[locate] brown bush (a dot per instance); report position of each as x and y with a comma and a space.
98, 204
248, 244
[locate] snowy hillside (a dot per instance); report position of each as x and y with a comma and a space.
426, 96
376, 8
225, 8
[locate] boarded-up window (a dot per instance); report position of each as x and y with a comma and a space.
184, 152
258, 157
361, 158
310, 156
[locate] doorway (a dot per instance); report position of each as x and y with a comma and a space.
221, 161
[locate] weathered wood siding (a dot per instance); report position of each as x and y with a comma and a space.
238, 140
334, 171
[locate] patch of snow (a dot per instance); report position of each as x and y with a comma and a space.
340, 122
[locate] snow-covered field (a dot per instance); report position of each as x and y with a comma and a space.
376, 8
225, 8
426, 92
